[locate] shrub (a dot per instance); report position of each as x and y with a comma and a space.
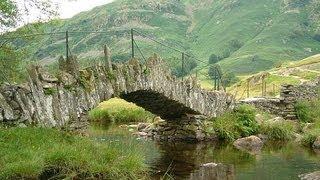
238, 123
278, 130
309, 137
308, 111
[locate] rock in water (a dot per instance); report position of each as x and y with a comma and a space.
310, 176
316, 144
252, 144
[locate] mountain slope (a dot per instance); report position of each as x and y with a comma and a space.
249, 35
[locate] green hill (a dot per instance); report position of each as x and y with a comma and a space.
248, 35
288, 73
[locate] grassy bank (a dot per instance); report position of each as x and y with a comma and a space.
119, 111
242, 122
39, 152
309, 116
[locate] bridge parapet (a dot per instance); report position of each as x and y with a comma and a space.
51, 101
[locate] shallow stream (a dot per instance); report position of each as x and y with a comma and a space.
173, 160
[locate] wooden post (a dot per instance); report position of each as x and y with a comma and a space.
215, 80
265, 88
107, 56
67, 45
262, 87
274, 89
248, 88
182, 65
218, 79
132, 44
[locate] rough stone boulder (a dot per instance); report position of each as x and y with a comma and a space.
252, 144
316, 144
310, 176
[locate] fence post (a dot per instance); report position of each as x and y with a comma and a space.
67, 45
248, 89
262, 87
107, 56
132, 44
265, 88
274, 89
182, 65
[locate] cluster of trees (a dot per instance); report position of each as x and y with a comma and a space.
226, 78
215, 71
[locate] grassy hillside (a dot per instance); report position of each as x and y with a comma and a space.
249, 35
288, 73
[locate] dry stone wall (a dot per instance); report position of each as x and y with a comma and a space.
60, 100
289, 95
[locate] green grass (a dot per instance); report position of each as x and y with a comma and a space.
119, 111
308, 111
235, 124
34, 152
310, 137
282, 130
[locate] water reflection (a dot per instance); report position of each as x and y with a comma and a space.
185, 161
177, 160
276, 161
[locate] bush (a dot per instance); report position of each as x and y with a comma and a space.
310, 137
278, 130
308, 111
31, 153
238, 123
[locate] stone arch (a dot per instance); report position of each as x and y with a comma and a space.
49, 100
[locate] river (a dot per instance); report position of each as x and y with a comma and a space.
182, 160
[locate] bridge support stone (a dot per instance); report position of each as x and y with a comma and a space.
187, 128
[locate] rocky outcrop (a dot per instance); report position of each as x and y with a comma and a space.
58, 101
252, 144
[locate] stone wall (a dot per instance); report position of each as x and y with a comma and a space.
58, 101
284, 106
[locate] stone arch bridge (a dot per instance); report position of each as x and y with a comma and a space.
56, 101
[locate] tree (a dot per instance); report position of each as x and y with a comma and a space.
215, 71
229, 79
214, 59
189, 65
11, 11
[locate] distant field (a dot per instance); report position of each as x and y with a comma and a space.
289, 73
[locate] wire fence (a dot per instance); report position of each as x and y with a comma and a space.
258, 90
49, 47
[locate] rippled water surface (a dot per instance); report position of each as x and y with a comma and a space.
174, 160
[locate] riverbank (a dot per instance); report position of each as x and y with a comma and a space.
33, 153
